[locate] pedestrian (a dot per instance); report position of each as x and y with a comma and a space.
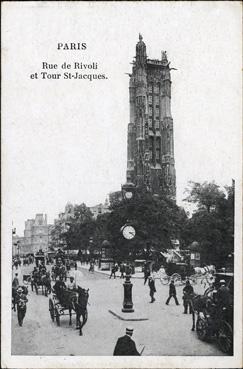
21, 301
125, 346
188, 292
75, 265
15, 285
15, 282
113, 271
91, 267
152, 288
146, 273
122, 270
172, 293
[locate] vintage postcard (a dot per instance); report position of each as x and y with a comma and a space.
121, 184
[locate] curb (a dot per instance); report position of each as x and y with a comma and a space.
100, 272
129, 319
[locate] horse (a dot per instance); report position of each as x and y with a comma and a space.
208, 269
46, 283
79, 305
197, 304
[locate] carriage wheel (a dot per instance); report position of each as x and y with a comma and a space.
176, 278
51, 309
57, 317
202, 329
165, 280
225, 338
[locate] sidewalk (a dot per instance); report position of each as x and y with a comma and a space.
137, 275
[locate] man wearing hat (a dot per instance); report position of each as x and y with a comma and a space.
15, 285
152, 288
125, 346
223, 295
187, 293
71, 284
172, 293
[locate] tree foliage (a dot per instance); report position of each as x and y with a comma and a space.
212, 224
156, 221
205, 195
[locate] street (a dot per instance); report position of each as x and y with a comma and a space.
166, 332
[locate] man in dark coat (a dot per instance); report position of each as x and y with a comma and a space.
151, 288
187, 293
172, 293
122, 270
223, 295
146, 272
125, 346
59, 287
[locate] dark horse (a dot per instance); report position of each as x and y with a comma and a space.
197, 304
79, 305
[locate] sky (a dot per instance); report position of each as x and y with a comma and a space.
66, 140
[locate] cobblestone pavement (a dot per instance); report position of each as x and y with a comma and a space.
166, 332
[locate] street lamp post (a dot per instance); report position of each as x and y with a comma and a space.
128, 233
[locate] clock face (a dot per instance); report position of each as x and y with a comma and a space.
128, 195
128, 232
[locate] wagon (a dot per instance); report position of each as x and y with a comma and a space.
59, 308
71, 301
178, 273
216, 324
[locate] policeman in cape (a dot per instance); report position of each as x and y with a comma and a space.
125, 346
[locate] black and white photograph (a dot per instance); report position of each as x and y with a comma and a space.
121, 184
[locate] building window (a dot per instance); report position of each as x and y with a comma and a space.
157, 124
150, 110
157, 154
150, 88
150, 123
150, 99
150, 153
157, 111
156, 100
156, 89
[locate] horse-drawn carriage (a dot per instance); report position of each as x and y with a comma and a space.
214, 318
68, 301
177, 272
39, 258
181, 272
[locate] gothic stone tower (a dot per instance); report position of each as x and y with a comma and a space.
150, 153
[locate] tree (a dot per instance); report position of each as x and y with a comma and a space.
205, 195
80, 228
212, 224
156, 221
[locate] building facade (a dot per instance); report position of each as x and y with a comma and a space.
150, 144
99, 209
36, 235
